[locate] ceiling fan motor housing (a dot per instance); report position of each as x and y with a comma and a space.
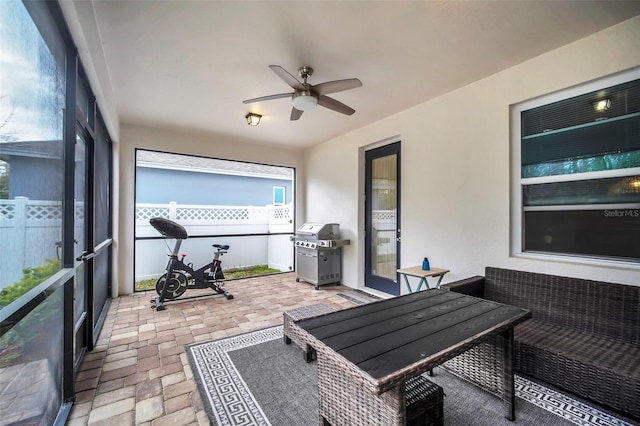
304, 72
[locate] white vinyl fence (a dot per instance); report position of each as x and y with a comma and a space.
230, 223
30, 231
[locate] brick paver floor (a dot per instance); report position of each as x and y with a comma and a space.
138, 373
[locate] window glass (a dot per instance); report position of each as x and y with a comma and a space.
31, 365
32, 99
278, 195
580, 174
584, 192
82, 100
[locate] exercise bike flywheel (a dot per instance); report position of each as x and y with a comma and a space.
176, 287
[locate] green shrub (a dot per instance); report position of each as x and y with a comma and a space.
31, 277
17, 344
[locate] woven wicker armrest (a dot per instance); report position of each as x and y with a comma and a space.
293, 334
473, 286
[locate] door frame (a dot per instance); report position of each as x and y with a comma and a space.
83, 263
371, 281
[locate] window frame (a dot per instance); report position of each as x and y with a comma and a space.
215, 236
518, 182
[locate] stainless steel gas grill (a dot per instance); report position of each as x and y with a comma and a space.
319, 253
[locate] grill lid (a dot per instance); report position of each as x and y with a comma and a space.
319, 235
320, 231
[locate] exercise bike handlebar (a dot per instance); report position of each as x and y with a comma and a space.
169, 228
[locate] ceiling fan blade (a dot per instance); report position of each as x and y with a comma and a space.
268, 98
295, 114
336, 86
286, 77
334, 105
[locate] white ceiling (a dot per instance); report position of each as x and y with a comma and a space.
189, 64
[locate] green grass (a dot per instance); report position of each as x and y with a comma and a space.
229, 274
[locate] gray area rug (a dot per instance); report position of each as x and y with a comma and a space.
255, 379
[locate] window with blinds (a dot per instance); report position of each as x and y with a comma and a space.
579, 173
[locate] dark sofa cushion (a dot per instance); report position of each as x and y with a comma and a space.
603, 370
604, 352
596, 307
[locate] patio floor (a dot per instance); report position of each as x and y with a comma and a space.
138, 372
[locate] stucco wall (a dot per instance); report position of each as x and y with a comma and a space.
456, 167
132, 137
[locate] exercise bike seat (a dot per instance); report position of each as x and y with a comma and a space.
168, 228
221, 247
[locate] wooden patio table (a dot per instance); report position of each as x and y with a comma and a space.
368, 352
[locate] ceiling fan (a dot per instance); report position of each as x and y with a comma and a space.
306, 96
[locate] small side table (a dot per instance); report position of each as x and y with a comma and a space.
417, 271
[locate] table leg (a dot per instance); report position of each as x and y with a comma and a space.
509, 396
423, 280
406, 281
344, 398
439, 281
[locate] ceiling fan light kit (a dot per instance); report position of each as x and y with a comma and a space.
306, 97
304, 100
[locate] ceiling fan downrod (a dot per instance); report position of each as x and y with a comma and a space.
305, 72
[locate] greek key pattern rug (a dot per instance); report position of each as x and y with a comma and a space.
229, 401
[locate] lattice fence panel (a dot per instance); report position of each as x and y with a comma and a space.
146, 213
7, 211
44, 212
220, 214
79, 211
380, 215
283, 213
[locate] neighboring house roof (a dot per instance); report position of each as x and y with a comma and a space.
165, 160
38, 149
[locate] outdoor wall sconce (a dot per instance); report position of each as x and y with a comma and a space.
602, 105
253, 119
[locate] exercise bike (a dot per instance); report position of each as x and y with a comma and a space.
180, 276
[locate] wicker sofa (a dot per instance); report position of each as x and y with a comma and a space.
584, 335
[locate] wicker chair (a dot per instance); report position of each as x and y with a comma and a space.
584, 336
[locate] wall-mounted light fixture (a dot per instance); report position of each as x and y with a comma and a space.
253, 119
628, 185
602, 105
